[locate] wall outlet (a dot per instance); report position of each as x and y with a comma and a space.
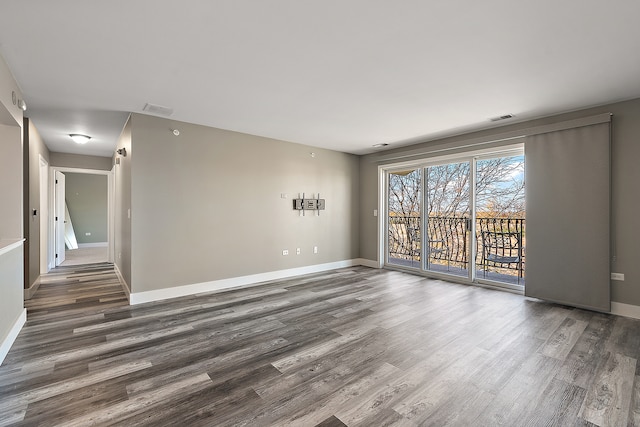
87, 234
375, 212
315, 249
297, 251
285, 252
617, 276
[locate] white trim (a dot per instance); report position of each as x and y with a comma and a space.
383, 214
94, 245
235, 282
111, 206
514, 148
43, 205
51, 240
626, 310
7, 245
82, 170
125, 286
110, 174
12, 335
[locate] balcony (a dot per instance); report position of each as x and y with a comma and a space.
500, 246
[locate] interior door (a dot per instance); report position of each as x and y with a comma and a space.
60, 217
448, 218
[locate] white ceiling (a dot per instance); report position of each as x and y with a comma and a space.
339, 74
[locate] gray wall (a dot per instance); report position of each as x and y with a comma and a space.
11, 263
87, 197
625, 241
11, 302
33, 147
207, 205
122, 173
11, 195
65, 160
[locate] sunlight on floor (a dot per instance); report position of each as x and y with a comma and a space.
85, 256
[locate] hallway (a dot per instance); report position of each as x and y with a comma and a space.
83, 256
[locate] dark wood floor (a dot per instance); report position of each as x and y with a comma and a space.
353, 347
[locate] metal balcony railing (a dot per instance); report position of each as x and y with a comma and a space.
500, 242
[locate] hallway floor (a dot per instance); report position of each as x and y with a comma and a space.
82, 256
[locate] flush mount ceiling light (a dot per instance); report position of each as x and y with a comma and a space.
79, 139
382, 144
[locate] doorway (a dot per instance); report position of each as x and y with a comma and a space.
459, 217
44, 214
82, 211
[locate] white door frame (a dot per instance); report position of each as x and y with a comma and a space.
110, 208
60, 216
43, 170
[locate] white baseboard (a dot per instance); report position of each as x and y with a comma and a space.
626, 310
93, 245
125, 285
13, 334
236, 282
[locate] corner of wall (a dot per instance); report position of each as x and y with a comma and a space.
8, 341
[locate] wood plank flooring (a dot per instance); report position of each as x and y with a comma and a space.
355, 347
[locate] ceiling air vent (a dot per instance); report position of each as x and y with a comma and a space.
505, 117
158, 109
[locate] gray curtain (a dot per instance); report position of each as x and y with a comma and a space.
568, 208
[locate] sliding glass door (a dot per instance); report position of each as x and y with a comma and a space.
500, 219
448, 218
404, 206
462, 218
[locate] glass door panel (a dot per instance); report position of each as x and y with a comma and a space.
404, 218
448, 218
500, 220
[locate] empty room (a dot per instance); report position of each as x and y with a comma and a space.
285, 213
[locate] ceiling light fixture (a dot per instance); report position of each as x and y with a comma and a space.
79, 139
382, 144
